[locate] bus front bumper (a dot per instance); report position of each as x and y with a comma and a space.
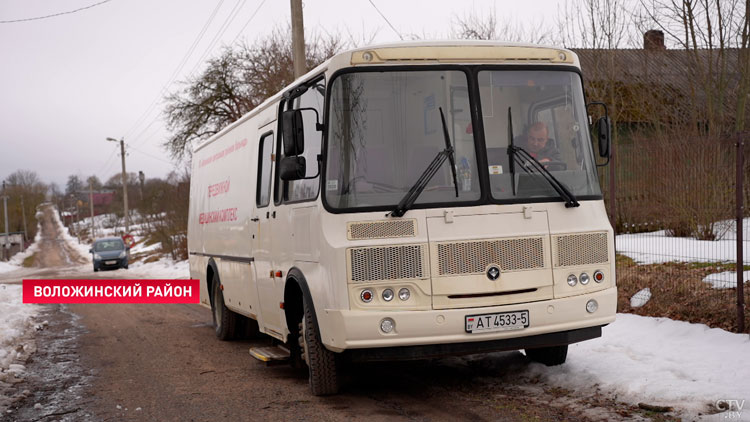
551, 322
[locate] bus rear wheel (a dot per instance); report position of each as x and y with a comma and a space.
322, 363
225, 321
550, 356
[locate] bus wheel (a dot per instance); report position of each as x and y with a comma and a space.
321, 362
225, 321
550, 356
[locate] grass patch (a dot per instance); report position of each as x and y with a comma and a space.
29, 261
678, 292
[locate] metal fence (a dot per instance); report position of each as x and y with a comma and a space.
676, 205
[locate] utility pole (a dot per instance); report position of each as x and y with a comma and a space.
23, 215
6, 246
124, 183
91, 208
141, 178
298, 39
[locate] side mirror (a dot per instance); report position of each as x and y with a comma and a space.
292, 168
294, 132
604, 134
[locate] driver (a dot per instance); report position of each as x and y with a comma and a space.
538, 144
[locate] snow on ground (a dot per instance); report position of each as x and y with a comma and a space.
16, 261
657, 248
165, 268
83, 249
659, 361
16, 318
725, 280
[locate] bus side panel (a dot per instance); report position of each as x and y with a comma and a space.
222, 195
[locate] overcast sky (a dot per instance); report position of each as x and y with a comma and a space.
69, 82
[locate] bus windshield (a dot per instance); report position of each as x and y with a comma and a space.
384, 129
547, 117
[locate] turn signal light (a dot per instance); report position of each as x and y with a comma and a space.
366, 295
598, 276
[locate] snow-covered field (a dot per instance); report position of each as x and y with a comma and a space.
658, 248
659, 361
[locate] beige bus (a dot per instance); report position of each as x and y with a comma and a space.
409, 201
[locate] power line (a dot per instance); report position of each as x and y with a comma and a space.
228, 21
248, 21
56, 14
386, 19
179, 68
149, 155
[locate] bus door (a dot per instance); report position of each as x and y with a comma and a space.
269, 317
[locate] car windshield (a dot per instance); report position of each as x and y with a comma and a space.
546, 112
109, 245
385, 129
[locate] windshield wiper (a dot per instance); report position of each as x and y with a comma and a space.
411, 196
518, 153
513, 154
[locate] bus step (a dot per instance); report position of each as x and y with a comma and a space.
271, 354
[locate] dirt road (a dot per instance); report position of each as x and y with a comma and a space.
163, 362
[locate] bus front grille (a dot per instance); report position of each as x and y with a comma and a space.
460, 258
581, 249
387, 263
381, 229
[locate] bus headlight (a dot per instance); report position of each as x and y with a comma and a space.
572, 280
404, 294
387, 295
584, 279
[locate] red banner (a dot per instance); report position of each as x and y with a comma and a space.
111, 291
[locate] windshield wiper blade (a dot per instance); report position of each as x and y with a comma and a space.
518, 152
411, 196
448, 146
511, 153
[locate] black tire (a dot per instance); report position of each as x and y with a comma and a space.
96, 270
225, 321
126, 267
247, 328
322, 363
550, 356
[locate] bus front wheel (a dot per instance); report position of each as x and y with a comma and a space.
321, 362
225, 321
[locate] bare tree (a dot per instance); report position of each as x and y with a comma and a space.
485, 26
234, 83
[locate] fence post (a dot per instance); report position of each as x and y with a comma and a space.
740, 258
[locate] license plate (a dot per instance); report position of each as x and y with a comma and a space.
110, 262
501, 321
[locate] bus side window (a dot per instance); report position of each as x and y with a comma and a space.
302, 190
265, 152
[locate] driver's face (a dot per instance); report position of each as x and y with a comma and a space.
536, 140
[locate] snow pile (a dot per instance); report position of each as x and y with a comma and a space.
641, 298
725, 280
659, 361
162, 269
15, 320
16, 261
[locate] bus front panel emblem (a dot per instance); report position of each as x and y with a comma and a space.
493, 272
